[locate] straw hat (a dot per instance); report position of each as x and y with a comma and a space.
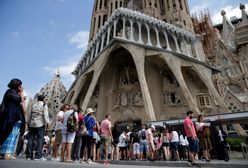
89, 110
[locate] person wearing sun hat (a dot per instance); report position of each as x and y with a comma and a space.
90, 123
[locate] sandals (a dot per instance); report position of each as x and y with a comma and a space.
9, 157
69, 161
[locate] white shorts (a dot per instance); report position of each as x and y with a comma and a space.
68, 138
136, 149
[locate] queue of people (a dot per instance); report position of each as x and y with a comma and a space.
79, 137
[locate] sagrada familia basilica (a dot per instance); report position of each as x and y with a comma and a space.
152, 60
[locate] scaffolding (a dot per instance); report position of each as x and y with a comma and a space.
203, 26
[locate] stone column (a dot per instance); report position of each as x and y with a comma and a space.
93, 52
97, 48
98, 67
148, 36
124, 29
108, 37
196, 51
115, 25
158, 41
140, 38
175, 40
90, 90
175, 67
80, 83
88, 59
167, 41
83, 66
138, 55
103, 38
131, 35
187, 49
183, 46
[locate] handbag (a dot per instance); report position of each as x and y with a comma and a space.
83, 130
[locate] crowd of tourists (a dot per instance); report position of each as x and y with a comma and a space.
79, 137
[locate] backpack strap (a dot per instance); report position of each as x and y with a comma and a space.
87, 120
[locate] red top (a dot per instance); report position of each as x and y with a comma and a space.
80, 117
188, 122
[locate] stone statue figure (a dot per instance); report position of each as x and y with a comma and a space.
137, 98
126, 68
124, 99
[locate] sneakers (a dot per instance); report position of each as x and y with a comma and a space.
190, 163
82, 161
55, 159
89, 161
40, 159
106, 162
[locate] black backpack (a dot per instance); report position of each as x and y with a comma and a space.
135, 137
143, 134
72, 124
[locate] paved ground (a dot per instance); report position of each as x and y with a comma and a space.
22, 163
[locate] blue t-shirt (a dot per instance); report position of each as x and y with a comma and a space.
89, 123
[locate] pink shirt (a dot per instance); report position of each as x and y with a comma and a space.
187, 122
105, 125
150, 135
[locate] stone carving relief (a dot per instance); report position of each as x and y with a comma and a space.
173, 99
129, 98
242, 52
168, 78
171, 95
128, 92
127, 77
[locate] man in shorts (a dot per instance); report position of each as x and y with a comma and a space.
191, 137
135, 142
143, 143
106, 134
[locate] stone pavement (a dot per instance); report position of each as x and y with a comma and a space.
239, 163
23, 163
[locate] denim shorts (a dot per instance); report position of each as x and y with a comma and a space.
174, 146
193, 145
143, 146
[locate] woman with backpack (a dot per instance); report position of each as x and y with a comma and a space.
70, 126
58, 130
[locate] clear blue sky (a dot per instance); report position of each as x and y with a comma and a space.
38, 36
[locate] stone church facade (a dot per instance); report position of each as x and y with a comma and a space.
144, 62
228, 52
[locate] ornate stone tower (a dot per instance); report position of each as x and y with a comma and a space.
54, 93
175, 12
